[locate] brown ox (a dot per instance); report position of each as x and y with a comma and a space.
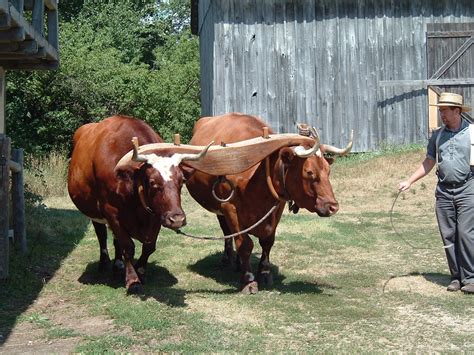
134, 198
297, 174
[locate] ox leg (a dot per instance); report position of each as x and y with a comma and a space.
101, 232
118, 267
264, 275
228, 256
132, 281
141, 264
244, 246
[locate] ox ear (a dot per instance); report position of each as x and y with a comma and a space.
287, 155
188, 172
125, 180
330, 160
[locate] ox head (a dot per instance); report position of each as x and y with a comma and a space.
156, 181
307, 175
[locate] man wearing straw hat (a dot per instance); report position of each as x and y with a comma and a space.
450, 149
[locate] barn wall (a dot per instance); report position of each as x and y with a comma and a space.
322, 62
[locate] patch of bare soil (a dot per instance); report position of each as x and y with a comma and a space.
31, 337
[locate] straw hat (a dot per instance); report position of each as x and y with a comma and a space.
450, 99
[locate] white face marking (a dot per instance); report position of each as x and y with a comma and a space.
164, 164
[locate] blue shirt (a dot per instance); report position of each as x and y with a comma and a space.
454, 153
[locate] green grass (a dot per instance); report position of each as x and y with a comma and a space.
349, 283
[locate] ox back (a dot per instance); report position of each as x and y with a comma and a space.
305, 181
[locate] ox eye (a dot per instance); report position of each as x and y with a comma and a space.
154, 185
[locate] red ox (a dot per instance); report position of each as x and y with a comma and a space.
134, 198
299, 174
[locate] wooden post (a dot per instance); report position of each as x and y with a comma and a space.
4, 188
18, 202
2, 100
265, 133
177, 139
432, 110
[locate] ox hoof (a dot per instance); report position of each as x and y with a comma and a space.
104, 263
141, 275
135, 289
265, 279
118, 269
250, 289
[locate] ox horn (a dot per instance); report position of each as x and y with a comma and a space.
339, 151
305, 153
136, 157
194, 157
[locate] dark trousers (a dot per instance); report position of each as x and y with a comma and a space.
455, 214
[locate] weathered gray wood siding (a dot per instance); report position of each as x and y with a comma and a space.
321, 62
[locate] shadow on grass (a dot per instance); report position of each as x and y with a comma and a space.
211, 267
51, 236
158, 285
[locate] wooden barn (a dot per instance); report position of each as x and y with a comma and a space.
367, 65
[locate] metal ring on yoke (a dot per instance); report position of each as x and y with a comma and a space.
222, 179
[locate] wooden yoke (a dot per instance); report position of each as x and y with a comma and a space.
233, 158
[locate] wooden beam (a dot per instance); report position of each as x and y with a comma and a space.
14, 166
30, 33
424, 83
432, 110
14, 34
4, 201
453, 58
26, 48
2, 100
38, 17
449, 34
5, 21
51, 4
4, 7
53, 35
18, 202
29, 65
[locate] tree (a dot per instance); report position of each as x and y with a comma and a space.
146, 66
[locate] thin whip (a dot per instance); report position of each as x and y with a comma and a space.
394, 229
233, 234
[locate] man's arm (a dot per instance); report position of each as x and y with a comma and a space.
422, 171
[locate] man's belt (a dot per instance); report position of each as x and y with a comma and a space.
455, 185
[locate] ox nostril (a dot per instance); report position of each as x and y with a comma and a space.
333, 208
177, 219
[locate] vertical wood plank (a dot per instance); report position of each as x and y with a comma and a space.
4, 194
2, 101
18, 203
38, 16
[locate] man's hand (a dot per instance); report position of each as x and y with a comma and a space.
403, 186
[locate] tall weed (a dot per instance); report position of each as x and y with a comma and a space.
46, 176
